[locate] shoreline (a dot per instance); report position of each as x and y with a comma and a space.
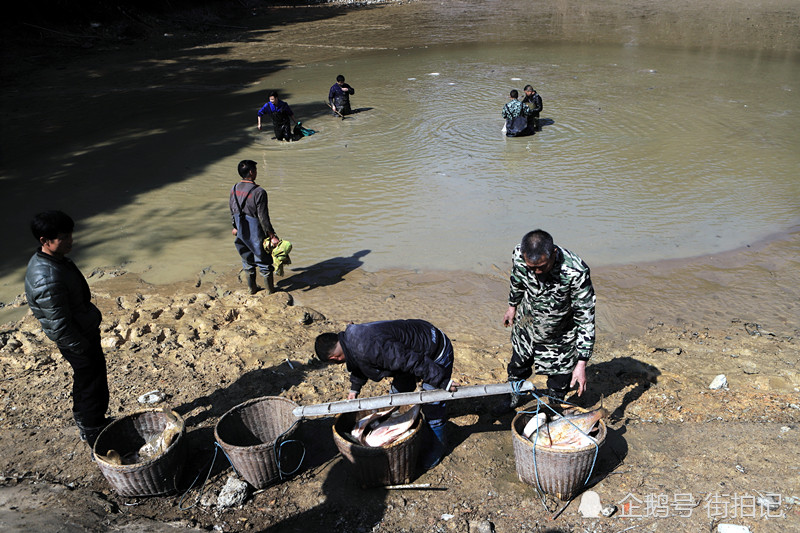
630, 296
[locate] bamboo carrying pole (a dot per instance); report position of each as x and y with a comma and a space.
406, 398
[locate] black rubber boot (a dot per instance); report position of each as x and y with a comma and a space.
251, 283
269, 279
89, 430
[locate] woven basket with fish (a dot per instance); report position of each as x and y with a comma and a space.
142, 454
384, 453
565, 451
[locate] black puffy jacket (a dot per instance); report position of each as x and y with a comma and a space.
376, 350
60, 299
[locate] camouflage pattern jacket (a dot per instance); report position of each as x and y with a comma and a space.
557, 309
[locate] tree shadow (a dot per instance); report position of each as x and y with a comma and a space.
325, 273
157, 113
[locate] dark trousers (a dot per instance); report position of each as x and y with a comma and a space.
435, 412
558, 385
89, 383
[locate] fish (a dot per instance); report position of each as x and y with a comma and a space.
392, 428
372, 419
160, 442
534, 424
112, 457
561, 433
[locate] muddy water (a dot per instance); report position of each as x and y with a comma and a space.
647, 153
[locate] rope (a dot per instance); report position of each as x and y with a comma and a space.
217, 447
517, 385
277, 445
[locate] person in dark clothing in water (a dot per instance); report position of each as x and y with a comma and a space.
516, 115
339, 96
408, 351
534, 103
283, 120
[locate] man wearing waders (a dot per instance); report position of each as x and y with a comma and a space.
339, 97
283, 121
551, 307
251, 225
534, 103
408, 351
516, 115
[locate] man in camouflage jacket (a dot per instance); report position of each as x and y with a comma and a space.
551, 307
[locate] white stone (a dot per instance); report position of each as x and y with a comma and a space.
110, 342
719, 382
590, 505
233, 493
732, 528
154, 396
608, 510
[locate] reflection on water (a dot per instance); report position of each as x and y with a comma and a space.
646, 154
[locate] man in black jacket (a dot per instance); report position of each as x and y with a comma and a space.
405, 350
534, 103
59, 298
339, 97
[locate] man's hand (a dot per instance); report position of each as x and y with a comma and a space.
508, 318
579, 377
234, 232
259, 127
352, 395
454, 385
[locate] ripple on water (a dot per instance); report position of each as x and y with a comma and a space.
639, 149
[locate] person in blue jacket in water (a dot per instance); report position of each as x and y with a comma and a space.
283, 120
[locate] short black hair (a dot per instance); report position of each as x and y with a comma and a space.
537, 244
246, 166
273, 93
51, 224
325, 344
513, 93
339, 78
528, 88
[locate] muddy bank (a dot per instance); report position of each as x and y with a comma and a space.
210, 346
